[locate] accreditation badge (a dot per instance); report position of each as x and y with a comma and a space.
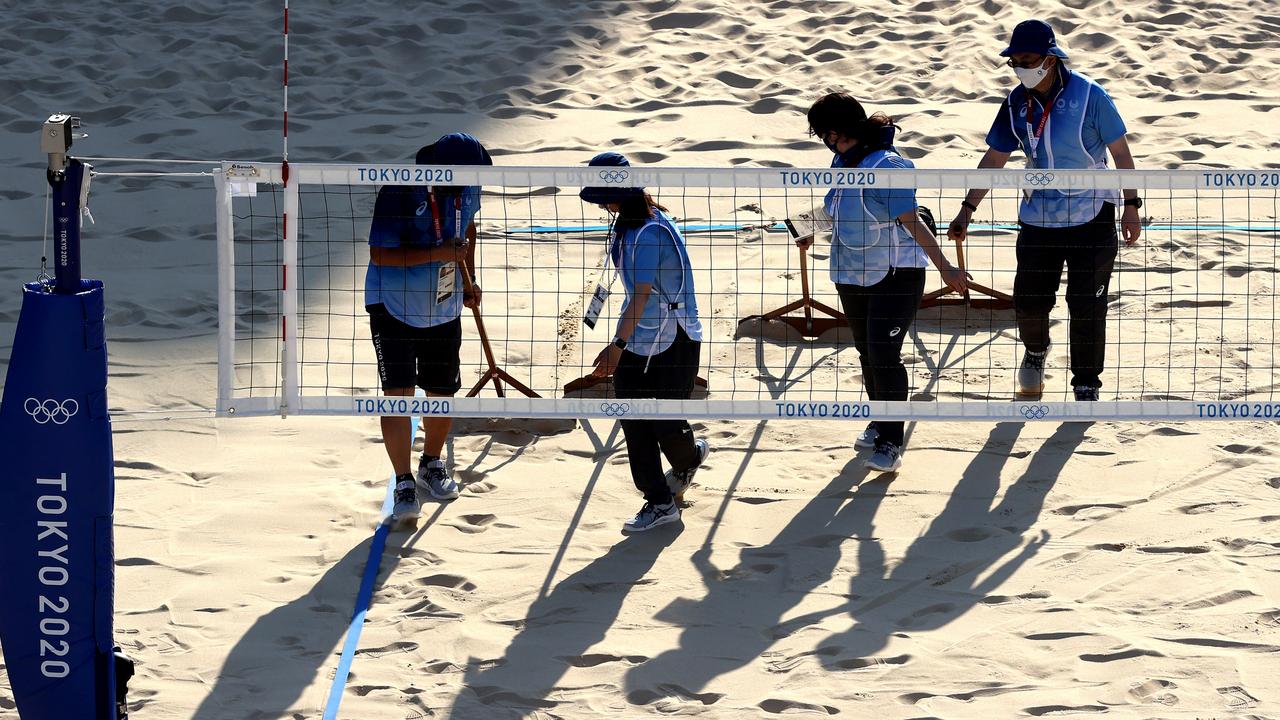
594, 309
446, 283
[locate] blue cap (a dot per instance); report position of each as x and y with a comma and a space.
454, 149
1033, 36
608, 195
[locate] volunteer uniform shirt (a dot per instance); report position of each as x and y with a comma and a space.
654, 253
1082, 122
402, 217
866, 238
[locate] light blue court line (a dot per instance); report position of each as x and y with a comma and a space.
364, 595
776, 227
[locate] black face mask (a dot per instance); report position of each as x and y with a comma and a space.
831, 147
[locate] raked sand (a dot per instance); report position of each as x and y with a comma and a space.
1009, 570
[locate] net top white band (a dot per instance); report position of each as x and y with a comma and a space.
751, 178
817, 410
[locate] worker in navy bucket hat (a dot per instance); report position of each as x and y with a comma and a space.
1060, 119
657, 343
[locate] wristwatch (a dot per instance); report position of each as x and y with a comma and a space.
1133, 202
620, 343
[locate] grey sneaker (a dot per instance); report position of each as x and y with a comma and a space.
1031, 374
1086, 393
867, 438
407, 506
886, 459
434, 478
651, 516
680, 480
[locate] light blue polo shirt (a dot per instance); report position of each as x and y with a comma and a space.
654, 253
1082, 123
402, 218
866, 239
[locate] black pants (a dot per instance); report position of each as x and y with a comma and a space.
879, 316
670, 376
1089, 251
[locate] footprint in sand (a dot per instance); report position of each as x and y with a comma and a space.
1174, 549
1064, 709
1237, 697
1221, 599
456, 582
1200, 508
471, 524
1156, 691
594, 659
1117, 656
971, 534
860, 663
1065, 635
402, 646
664, 692
779, 707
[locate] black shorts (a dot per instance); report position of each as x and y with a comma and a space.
409, 356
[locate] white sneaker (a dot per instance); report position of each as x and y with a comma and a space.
407, 506
651, 516
680, 480
886, 459
867, 438
435, 479
1031, 374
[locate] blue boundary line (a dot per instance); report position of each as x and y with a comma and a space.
363, 597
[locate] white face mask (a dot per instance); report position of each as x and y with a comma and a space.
1031, 77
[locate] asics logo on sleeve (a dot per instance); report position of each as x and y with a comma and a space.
422, 209
894, 332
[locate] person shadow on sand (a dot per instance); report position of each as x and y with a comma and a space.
740, 618
556, 632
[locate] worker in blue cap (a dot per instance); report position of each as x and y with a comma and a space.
414, 297
657, 345
1060, 118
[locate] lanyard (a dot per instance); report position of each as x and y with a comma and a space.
614, 241
1033, 136
435, 216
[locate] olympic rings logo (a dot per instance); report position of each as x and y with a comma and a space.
615, 409
51, 411
1034, 412
614, 176
1039, 178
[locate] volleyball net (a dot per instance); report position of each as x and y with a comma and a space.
1191, 321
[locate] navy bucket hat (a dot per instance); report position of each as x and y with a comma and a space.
1033, 36
454, 149
609, 195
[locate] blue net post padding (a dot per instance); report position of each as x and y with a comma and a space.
56, 502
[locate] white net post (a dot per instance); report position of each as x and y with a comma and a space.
289, 395
224, 225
